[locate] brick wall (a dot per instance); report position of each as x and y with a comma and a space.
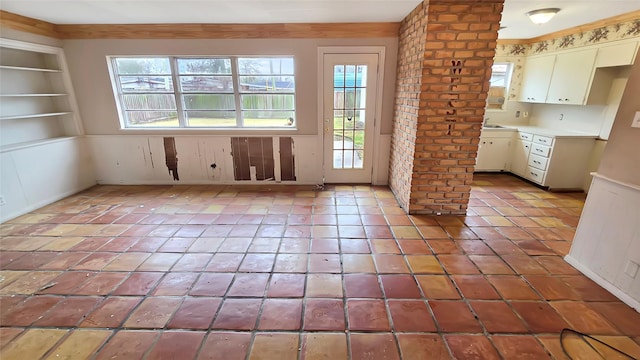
457, 40
407, 102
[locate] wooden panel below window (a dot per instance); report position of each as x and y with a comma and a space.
287, 163
252, 152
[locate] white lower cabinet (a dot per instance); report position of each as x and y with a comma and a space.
556, 162
520, 154
493, 151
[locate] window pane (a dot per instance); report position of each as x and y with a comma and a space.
209, 102
207, 83
267, 102
149, 102
499, 85
265, 66
152, 118
211, 118
204, 66
126, 66
146, 83
208, 93
284, 84
268, 118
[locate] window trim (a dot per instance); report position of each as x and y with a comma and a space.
179, 94
508, 80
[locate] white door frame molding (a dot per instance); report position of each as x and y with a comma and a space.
380, 51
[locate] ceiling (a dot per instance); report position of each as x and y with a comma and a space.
518, 26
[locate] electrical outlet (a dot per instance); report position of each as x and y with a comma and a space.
2, 202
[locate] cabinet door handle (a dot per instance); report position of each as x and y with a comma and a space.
536, 162
490, 142
538, 150
534, 174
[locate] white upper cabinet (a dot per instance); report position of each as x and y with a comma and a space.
616, 55
536, 79
575, 77
572, 76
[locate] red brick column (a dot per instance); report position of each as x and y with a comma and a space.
444, 66
407, 103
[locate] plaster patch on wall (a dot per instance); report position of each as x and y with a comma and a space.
171, 157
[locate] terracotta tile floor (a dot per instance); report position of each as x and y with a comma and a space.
288, 273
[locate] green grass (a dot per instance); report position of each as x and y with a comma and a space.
358, 139
215, 123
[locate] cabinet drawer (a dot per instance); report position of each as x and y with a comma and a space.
525, 136
535, 175
542, 140
541, 150
538, 162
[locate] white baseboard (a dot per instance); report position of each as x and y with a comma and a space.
604, 283
203, 182
39, 204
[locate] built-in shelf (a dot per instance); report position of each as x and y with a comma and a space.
28, 144
33, 116
31, 95
22, 68
37, 99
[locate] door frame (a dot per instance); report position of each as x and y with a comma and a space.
345, 50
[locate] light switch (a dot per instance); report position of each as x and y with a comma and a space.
636, 120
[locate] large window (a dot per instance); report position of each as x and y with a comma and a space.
205, 92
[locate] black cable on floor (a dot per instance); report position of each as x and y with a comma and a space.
583, 336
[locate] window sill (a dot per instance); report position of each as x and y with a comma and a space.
207, 131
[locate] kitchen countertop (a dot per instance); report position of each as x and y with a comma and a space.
542, 131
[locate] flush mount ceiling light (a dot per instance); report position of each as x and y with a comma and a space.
541, 16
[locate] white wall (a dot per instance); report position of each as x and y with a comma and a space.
607, 243
510, 116
606, 247
34, 176
90, 76
88, 64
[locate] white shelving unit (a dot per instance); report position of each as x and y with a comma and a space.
37, 103
43, 155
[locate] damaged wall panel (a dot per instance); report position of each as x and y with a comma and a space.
287, 160
135, 159
252, 158
171, 157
